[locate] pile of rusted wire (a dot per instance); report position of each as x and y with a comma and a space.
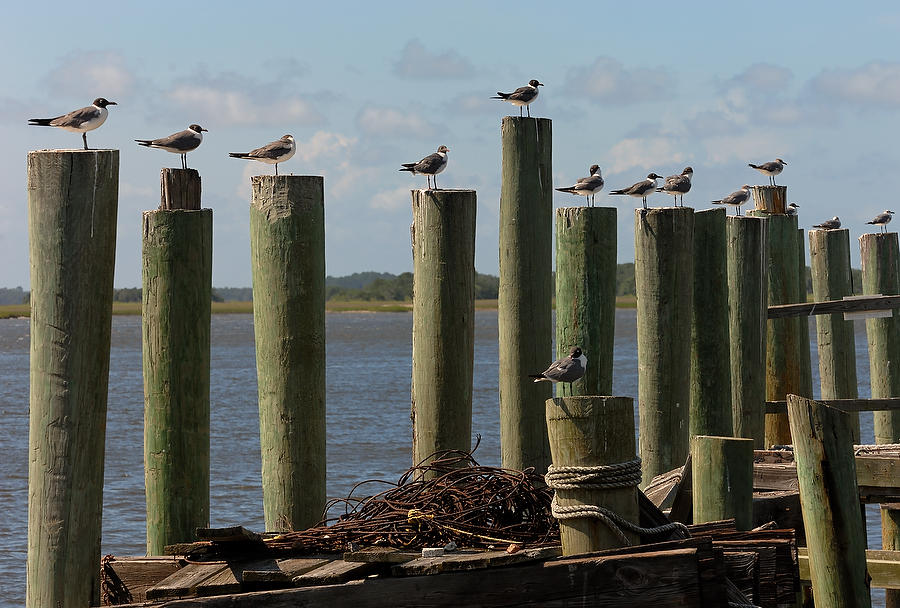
449, 498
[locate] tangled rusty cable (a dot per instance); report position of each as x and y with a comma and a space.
447, 498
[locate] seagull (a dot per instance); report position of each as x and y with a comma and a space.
678, 185
832, 224
641, 189
429, 166
177, 143
587, 186
272, 153
521, 96
736, 199
78, 121
882, 219
771, 168
792, 209
568, 369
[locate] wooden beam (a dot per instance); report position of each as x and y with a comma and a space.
845, 405
808, 309
883, 567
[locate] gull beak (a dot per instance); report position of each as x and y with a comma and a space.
111, 103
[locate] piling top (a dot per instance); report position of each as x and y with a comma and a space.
72, 150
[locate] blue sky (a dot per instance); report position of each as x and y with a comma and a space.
366, 86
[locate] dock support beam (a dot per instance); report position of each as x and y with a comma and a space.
526, 290
664, 278
287, 250
587, 432
586, 293
747, 313
443, 245
72, 206
826, 472
176, 296
722, 479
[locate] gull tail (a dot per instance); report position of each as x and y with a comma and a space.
618, 191
40, 122
502, 95
409, 167
719, 202
752, 165
569, 190
539, 377
870, 222
144, 142
239, 154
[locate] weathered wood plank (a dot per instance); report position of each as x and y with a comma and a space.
136, 575
845, 405
382, 555
472, 560
335, 572
186, 581
882, 566
281, 570
229, 534
807, 309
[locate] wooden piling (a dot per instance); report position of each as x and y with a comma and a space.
176, 296
829, 261
443, 245
826, 472
287, 252
722, 479
589, 431
747, 301
663, 271
526, 289
72, 206
880, 255
586, 293
710, 409
804, 343
770, 199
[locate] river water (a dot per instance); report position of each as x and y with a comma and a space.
369, 432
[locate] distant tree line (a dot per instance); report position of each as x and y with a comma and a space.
14, 295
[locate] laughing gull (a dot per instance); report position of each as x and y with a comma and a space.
882, 219
736, 199
771, 168
78, 121
568, 369
678, 185
642, 189
832, 224
429, 166
587, 186
272, 153
522, 96
177, 143
792, 209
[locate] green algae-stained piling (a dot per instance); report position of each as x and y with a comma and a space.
443, 245
770, 199
524, 303
722, 479
72, 207
747, 301
829, 260
586, 432
710, 411
826, 472
287, 251
586, 293
176, 295
664, 277
804, 344
784, 337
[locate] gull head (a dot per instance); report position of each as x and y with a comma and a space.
101, 102
780, 161
595, 169
533, 82
197, 129
443, 149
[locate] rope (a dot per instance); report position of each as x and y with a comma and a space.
602, 477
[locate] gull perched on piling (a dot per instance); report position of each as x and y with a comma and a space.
832, 224
272, 153
882, 219
678, 185
771, 168
587, 186
736, 198
429, 166
792, 209
177, 143
568, 369
642, 189
523, 96
78, 121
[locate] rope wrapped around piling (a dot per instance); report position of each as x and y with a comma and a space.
602, 477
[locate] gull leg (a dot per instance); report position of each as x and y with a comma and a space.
434, 177
276, 168
84, 137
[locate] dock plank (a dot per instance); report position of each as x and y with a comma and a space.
281, 571
336, 572
185, 581
472, 560
883, 567
136, 575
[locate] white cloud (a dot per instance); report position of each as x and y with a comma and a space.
91, 74
392, 122
646, 153
391, 200
607, 81
222, 105
876, 83
416, 62
754, 146
760, 78
324, 144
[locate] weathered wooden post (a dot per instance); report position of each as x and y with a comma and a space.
287, 251
829, 257
72, 204
826, 472
443, 244
770, 199
593, 432
710, 411
880, 255
176, 296
747, 315
526, 289
804, 345
586, 293
722, 479
664, 278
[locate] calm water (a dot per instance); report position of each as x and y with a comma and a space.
369, 432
